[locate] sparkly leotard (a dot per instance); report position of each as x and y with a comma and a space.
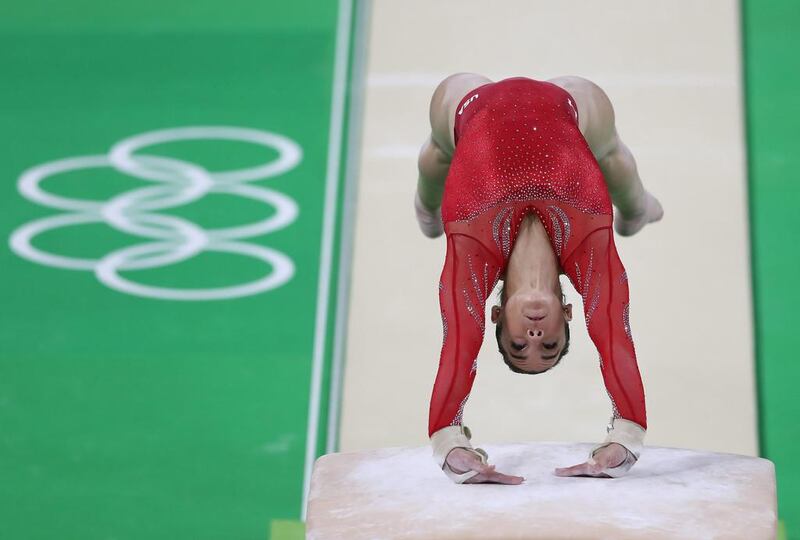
519, 151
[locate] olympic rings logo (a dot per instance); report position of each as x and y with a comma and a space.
171, 239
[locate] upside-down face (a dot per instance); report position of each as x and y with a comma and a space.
533, 329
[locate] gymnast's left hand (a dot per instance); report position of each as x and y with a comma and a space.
607, 457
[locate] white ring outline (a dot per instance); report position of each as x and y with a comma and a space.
282, 270
289, 152
177, 239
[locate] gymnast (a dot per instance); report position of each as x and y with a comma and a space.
520, 175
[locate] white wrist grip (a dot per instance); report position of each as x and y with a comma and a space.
628, 434
449, 438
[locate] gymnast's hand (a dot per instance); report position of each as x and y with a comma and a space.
606, 457
462, 460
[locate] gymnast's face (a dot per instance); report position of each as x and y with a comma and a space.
533, 331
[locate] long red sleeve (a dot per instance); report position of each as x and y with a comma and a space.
519, 150
597, 273
469, 275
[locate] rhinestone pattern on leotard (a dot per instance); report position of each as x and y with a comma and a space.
626, 320
537, 152
444, 317
459, 417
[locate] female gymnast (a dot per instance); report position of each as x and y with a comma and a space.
521, 175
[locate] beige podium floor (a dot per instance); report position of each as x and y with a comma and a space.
673, 72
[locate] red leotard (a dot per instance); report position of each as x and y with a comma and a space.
519, 151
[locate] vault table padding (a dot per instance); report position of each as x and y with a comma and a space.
670, 493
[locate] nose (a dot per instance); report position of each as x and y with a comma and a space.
535, 333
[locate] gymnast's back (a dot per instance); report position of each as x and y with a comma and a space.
519, 139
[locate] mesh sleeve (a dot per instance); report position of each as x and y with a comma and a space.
600, 278
469, 276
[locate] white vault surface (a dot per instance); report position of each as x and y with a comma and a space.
672, 71
669, 494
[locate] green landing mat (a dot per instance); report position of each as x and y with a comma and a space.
167, 150
773, 114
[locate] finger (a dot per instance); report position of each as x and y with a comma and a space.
575, 470
596, 469
495, 478
482, 468
500, 478
462, 466
584, 469
477, 479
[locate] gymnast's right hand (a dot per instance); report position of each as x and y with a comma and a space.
461, 461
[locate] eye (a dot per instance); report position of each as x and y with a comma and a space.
517, 346
550, 346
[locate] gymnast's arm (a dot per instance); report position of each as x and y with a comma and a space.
468, 277
599, 276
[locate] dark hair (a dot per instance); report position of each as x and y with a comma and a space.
504, 353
